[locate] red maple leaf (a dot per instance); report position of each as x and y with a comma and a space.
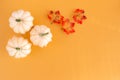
55, 17
67, 26
79, 16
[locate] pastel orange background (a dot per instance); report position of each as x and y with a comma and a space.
91, 53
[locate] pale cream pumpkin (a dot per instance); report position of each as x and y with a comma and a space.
40, 35
18, 47
21, 21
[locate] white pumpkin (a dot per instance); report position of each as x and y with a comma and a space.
21, 21
40, 35
18, 47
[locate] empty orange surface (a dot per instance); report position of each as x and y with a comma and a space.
91, 53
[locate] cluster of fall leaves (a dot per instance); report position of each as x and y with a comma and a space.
67, 24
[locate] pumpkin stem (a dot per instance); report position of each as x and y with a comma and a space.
18, 20
17, 48
43, 34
